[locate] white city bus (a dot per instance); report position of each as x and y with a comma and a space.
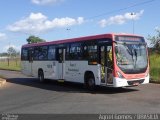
114, 60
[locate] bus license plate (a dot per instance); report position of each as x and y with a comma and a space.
136, 83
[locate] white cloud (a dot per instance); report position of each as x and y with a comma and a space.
17, 48
37, 23
157, 28
45, 2
120, 19
3, 36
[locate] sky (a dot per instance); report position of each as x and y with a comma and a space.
61, 19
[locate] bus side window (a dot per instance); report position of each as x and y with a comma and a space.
67, 53
51, 53
36, 53
92, 51
43, 51
30, 54
60, 55
85, 53
75, 52
24, 55
40, 53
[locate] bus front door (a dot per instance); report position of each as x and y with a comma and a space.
105, 59
61, 60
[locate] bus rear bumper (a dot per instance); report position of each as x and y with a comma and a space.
119, 82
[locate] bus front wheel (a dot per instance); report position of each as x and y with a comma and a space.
90, 83
41, 76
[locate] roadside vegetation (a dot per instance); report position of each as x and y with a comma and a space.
1, 77
10, 60
10, 64
154, 54
155, 67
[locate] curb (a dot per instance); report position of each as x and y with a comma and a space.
10, 70
2, 82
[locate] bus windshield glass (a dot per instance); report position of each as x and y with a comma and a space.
131, 57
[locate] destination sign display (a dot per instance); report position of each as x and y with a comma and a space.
129, 38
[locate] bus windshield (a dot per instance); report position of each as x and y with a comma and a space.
131, 57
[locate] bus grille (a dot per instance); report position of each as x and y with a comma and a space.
136, 82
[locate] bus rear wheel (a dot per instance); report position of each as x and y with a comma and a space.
41, 76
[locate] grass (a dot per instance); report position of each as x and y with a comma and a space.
155, 67
2, 78
13, 65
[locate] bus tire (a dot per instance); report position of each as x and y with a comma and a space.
90, 82
41, 76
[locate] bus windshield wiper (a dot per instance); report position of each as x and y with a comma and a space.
135, 53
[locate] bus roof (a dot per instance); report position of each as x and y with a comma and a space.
93, 37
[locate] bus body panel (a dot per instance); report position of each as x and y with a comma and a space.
50, 69
75, 71
26, 68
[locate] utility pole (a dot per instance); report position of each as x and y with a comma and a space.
133, 26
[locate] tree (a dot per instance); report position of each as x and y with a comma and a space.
4, 54
155, 40
34, 39
12, 52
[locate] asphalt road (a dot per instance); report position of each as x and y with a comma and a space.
22, 94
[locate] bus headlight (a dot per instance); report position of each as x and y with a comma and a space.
120, 75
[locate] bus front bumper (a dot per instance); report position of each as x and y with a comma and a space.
120, 82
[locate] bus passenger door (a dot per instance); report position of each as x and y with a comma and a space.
61, 61
106, 64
